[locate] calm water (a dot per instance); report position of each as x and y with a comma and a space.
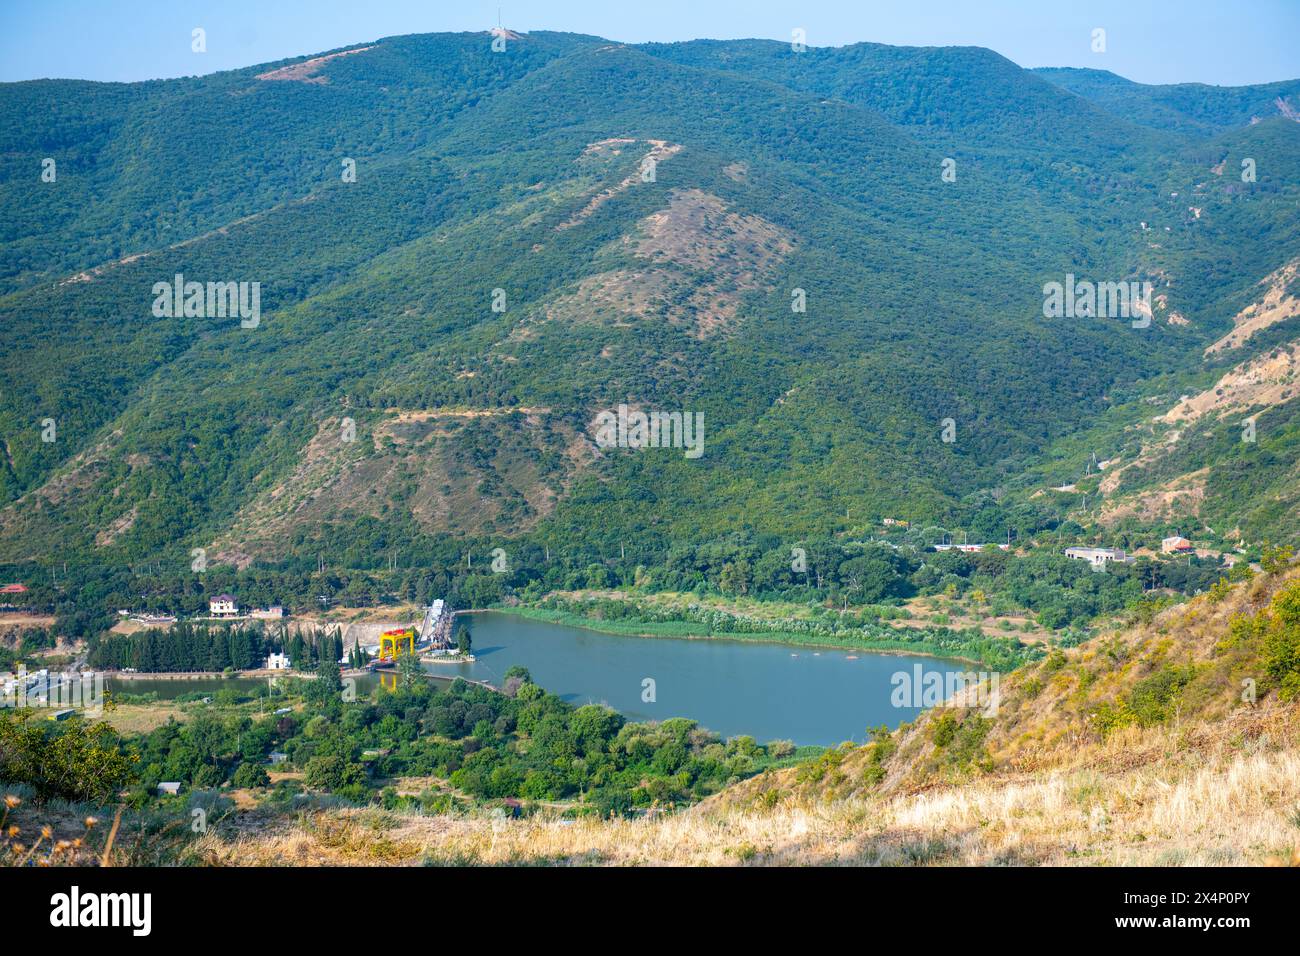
167, 689
767, 691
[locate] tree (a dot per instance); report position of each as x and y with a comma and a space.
735, 577
410, 674
328, 685
520, 671
249, 775
332, 772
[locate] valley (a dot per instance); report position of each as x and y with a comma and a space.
809, 455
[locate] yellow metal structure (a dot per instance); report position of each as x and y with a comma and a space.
392, 642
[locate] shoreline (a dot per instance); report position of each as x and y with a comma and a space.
190, 675
787, 638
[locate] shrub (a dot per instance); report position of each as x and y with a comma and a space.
1280, 653
780, 749
944, 729
1153, 698
76, 760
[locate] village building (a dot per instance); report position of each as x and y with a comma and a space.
273, 613
278, 662
1175, 544
1099, 557
223, 605
11, 590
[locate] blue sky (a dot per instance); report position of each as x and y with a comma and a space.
1225, 42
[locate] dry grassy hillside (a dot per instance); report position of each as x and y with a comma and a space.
1176, 684
1136, 748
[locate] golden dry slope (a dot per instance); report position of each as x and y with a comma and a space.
1230, 808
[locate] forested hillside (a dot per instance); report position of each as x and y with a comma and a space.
1195, 109
836, 257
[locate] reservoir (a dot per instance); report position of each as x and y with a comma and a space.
767, 691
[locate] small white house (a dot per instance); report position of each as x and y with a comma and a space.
278, 757
1099, 557
223, 605
277, 662
1175, 544
171, 787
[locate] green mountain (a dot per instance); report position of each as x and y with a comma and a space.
536, 235
1194, 109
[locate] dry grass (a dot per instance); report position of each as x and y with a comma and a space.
1224, 809
128, 719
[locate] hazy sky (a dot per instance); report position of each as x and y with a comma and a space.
1154, 41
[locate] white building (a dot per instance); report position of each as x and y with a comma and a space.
1099, 557
1175, 544
223, 605
277, 662
272, 613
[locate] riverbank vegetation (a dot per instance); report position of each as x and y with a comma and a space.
622, 616
420, 746
843, 586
